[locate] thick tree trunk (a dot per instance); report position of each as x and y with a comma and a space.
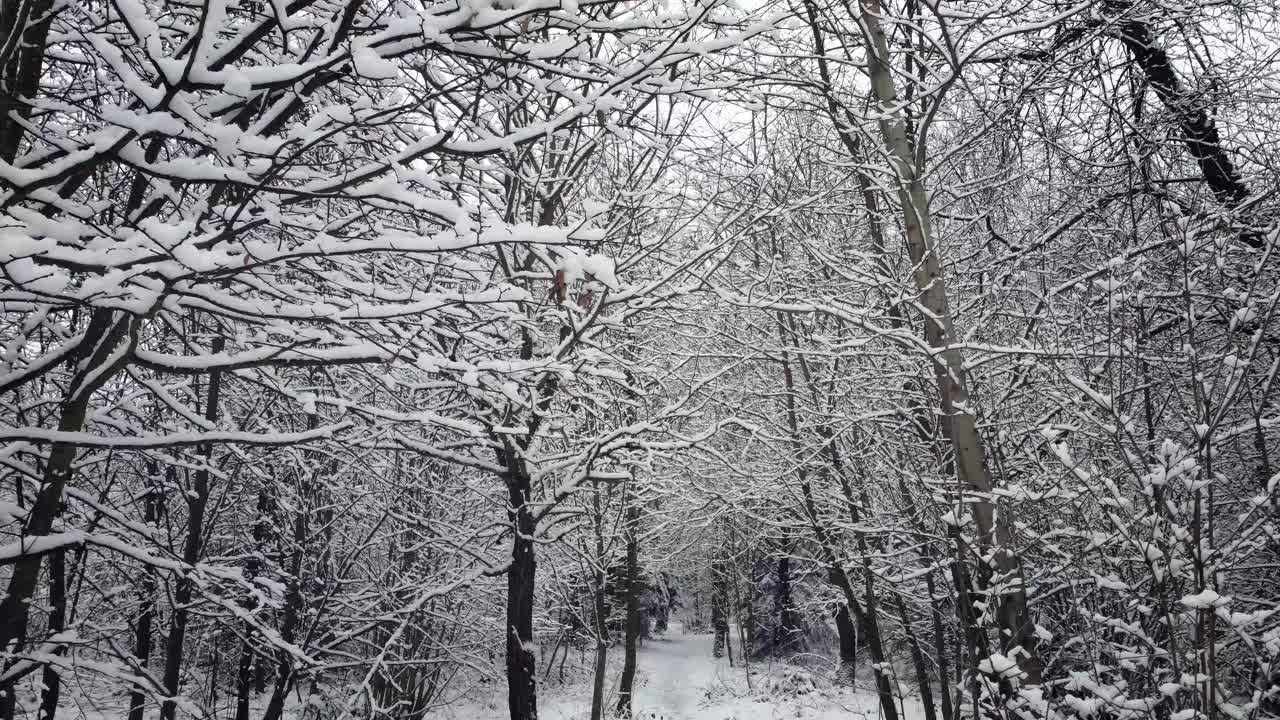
960, 422
788, 634
632, 637
848, 637
522, 681
1199, 131
103, 357
57, 623
24, 33
244, 677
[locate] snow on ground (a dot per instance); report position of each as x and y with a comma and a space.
677, 679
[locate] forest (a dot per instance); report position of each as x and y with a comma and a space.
674, 359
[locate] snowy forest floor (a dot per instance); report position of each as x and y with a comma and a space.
678, 679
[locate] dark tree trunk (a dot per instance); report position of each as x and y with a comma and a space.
263, 535
923, 685
788, 634
26, 25
940, 644
1199, 131
632, 637
57, 623
197, 500
289, 623
719, 609
244, 677
522, 690
146, 613
848, 636
99, 348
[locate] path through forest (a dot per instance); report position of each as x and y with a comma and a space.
678, 679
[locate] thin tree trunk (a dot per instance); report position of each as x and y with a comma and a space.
632, 638
244, 677
599, 610
940, 648
788, 635
719, 609
836, 573
197, 501
917, 662
146, 614
292, 610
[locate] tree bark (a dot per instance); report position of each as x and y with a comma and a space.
788, 635
103, 357
57, 623
599, 609
197, 500
1199, 131
848, 637
632, 637
960, 421
719, 609
522, 681
24, 33
146, 614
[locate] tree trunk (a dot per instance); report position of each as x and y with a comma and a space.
1199, 131
719, 609
103, 358
867, 619
244, 677
292, 610
522, 682
960, 422
940, 645
848, 636
24, 33
263, 535
788, 635
632, 637
57, 623
146, 614
923, 684
197, 500
599, 609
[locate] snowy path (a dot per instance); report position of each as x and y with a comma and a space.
674, 673
677, 679
677, 671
